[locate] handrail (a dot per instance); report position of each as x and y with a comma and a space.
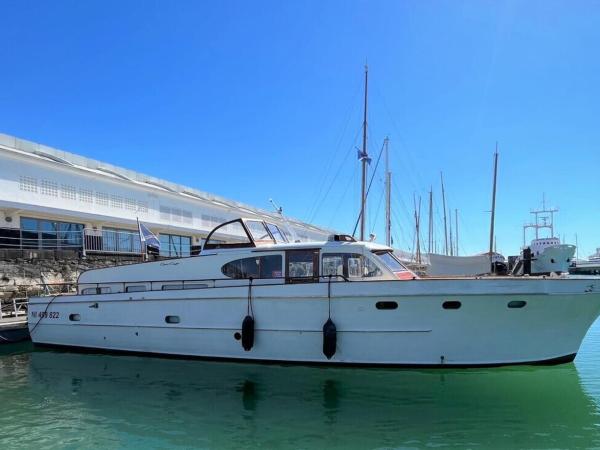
124, 284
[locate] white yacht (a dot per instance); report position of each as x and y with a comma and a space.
544, 255
251, 295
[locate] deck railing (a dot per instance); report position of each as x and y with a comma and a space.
12, 308
106, 287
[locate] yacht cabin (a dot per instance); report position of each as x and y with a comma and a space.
257, 252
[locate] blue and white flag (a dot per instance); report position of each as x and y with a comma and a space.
147, 237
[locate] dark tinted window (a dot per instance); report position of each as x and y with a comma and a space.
256, 267
303, 264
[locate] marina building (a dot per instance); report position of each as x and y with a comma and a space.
55, 200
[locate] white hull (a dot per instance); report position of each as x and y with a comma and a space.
553, 259
483, 331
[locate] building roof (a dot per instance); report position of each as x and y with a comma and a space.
74, 161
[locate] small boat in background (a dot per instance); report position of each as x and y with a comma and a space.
13, 320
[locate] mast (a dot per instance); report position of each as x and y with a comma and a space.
493, 204
417, 229
364, 158
430, 238
445, 221
456, 229
388, 196
450, 240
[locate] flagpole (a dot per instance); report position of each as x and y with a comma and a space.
142, 249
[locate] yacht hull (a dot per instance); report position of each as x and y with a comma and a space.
413, 328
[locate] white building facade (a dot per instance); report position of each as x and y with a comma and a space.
51, 199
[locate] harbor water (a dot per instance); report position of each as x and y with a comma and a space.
59, 399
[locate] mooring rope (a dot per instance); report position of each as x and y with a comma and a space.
43, 315
250, 310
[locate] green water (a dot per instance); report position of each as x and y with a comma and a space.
52, 399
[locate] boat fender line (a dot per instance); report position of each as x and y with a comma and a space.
248, 322
329, 329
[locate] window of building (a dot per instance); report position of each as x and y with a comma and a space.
86, 195
41, 233
28, 184
49, 188
269, 266
69, 192
121, 241
174, 245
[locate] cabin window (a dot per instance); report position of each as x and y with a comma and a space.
269, 266
230, 234
349, 265
334, 264
138, 288
172, 287
172, 319
74, 317
99, 290
302, 265
277, 234
195, 286
258, 231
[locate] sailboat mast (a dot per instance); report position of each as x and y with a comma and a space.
417, 229
445, 220
388, 195
493, 204
451, 243
430, 240
364, 158
456, 229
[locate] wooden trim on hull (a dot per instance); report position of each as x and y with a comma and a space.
95, 350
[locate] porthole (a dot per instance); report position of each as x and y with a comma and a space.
516, 303
386, 305
74, 317
172, 319
452, 304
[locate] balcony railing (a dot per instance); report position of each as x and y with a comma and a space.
86, 241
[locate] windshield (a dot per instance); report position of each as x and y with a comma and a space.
395, 266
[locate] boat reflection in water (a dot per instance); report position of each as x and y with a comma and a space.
126, 400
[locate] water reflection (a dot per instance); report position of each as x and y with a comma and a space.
107, 400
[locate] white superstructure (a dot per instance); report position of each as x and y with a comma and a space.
258, 297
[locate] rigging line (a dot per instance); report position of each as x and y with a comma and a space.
341, 200
399, 137
401, 236
350, 110
377, 212
405, 210
369, 187
320, 202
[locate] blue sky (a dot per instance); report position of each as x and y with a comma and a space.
253, 100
